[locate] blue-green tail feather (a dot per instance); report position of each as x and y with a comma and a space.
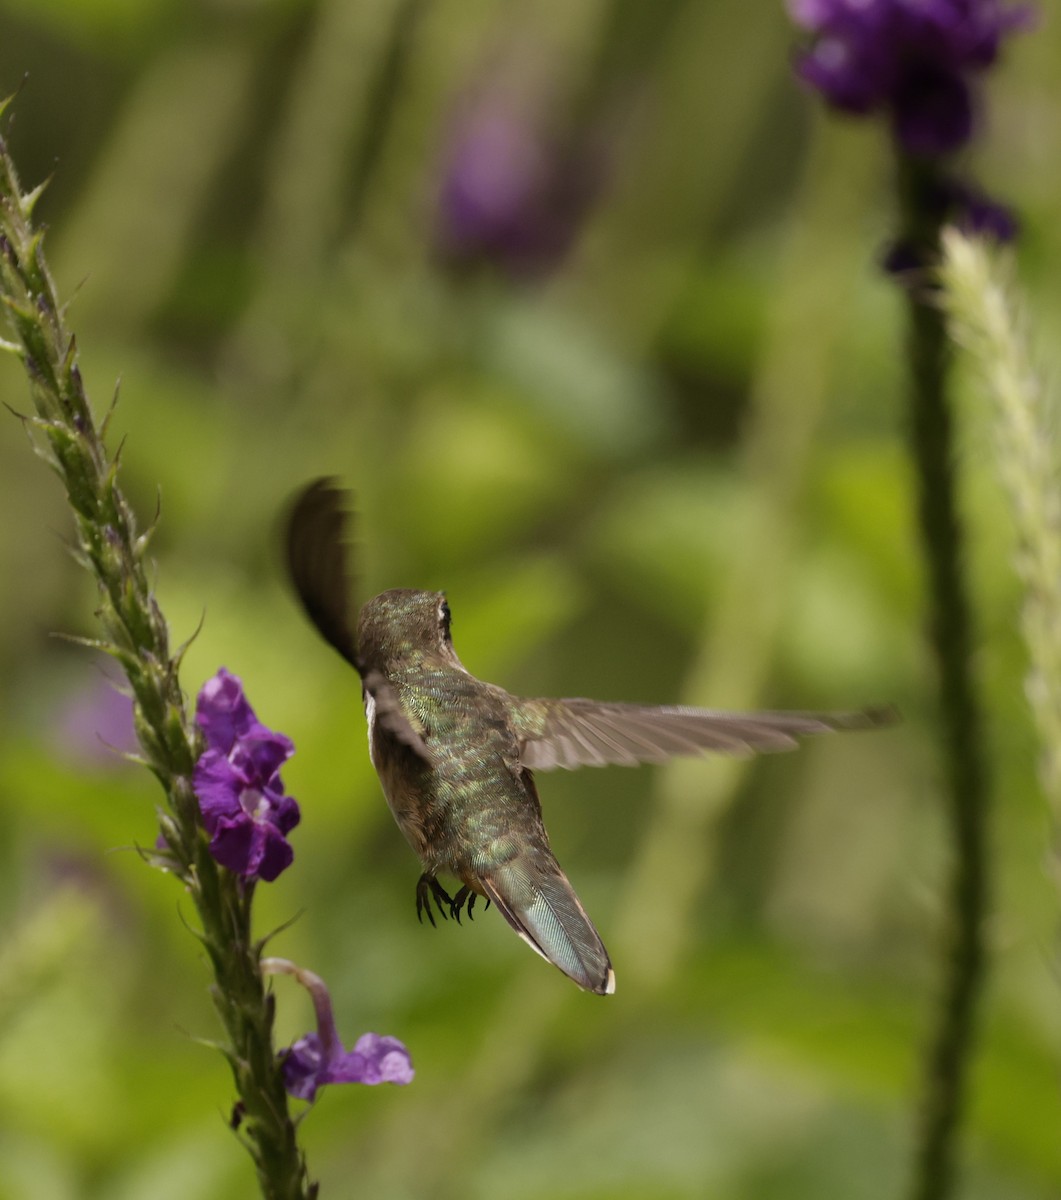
537, 900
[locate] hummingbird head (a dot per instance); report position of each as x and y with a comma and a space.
404, 626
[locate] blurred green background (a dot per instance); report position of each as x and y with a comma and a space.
659, 456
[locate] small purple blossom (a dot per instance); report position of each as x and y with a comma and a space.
374, 1059
976, 213
913, 58
947, 201
319, 1058
237, 782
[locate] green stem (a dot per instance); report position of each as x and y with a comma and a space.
136, 634
949, 1052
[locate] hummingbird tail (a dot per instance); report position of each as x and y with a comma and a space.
541, 906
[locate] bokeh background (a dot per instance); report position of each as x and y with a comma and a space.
582, 300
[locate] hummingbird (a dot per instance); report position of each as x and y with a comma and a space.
456, 757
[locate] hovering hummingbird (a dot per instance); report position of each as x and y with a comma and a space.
456, 756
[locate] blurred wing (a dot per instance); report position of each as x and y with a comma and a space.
316, 562
586, 733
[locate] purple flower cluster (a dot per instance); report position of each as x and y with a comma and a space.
913, 58
237, 782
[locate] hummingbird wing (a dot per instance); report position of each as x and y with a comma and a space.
392, 716
317, 563
587, 733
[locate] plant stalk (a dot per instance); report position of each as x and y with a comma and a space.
135, 633
950, 1050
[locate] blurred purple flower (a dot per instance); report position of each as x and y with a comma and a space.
319, 1058
95, 725
976, 213
913, 58
950, 201
512, 190
237, 782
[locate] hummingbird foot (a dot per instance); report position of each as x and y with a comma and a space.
426, 887
465, 898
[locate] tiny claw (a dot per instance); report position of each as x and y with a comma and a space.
423, 901
459, 901
426, 887
465, 899
442, 897
420, 910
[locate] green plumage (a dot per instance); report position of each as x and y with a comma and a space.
469, 808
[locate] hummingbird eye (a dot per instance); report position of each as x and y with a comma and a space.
444, 619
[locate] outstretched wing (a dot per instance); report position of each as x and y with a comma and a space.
586, 733
317, 562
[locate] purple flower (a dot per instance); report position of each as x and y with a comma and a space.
513, 190
237, 782
912, 58
319, 1058
374, 1059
